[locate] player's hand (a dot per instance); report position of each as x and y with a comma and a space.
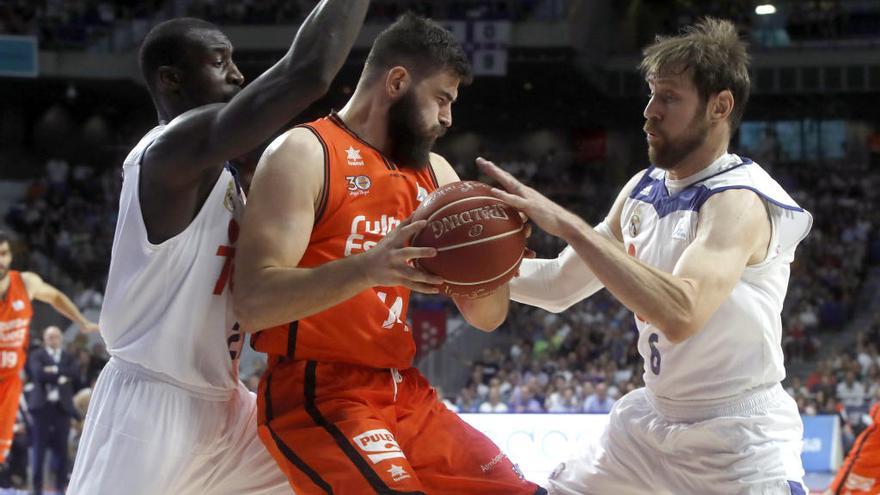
546, 214
390, 262
89, 327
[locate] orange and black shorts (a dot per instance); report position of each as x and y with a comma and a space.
860, 473
10, 395
346, 429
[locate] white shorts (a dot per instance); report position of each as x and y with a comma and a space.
145, 436
750, 447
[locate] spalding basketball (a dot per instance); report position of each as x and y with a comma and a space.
480, 239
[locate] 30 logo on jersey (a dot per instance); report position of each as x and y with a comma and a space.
358, 185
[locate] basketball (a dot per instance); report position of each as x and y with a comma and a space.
479, 239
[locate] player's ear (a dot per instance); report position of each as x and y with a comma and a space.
398, 81
168, 78
721, 105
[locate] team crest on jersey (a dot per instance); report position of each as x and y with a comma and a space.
229, 198
353, 156
379, 445
634, 222
18, 305
421, 193
358, 185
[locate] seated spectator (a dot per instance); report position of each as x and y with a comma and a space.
851, 391
493, 404
599, 402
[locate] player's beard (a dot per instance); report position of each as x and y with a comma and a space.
411, 143
668, 154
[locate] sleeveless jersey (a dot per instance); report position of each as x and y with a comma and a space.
739, 348
365, 196
15, 321
168, 306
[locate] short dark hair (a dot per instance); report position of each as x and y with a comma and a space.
715, 55
419, 44
165, 44
4, 237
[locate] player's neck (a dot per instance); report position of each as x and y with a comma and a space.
698, 160
368, 120
4, 286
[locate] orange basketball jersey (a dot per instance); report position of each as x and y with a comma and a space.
15, 320
365, 196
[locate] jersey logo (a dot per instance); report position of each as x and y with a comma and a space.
354, 157
360, 223
681, 229
379, 445
358, 185
229, 197
859, 483
18, 305
421, 193
634, 221
398, 473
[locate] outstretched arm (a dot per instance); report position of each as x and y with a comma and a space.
207, 136
556, 284
270, 289
44, 292
733, 232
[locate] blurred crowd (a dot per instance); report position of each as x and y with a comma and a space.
292, 11
70, 24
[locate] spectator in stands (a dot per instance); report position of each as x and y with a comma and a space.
599, 402
851, 391
493, 404
53, 372
564, 402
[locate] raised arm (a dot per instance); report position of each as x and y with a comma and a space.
42, 291
269, 287
734, 231
207, 136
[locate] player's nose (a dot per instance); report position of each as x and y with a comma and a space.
445, 118
651, 112
235, 76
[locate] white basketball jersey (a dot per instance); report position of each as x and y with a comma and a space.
739, 348
168, 307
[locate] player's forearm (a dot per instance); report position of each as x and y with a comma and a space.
278, 295
287, 88
666, 301
554, 284
325, 39
66, 307
486, 313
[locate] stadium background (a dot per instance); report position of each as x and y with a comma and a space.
558, 101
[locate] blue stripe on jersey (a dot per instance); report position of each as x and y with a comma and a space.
692, 197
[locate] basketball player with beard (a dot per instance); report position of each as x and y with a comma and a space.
324, 268
698, 246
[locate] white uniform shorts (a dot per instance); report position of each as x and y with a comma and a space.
145, 436
748, 447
